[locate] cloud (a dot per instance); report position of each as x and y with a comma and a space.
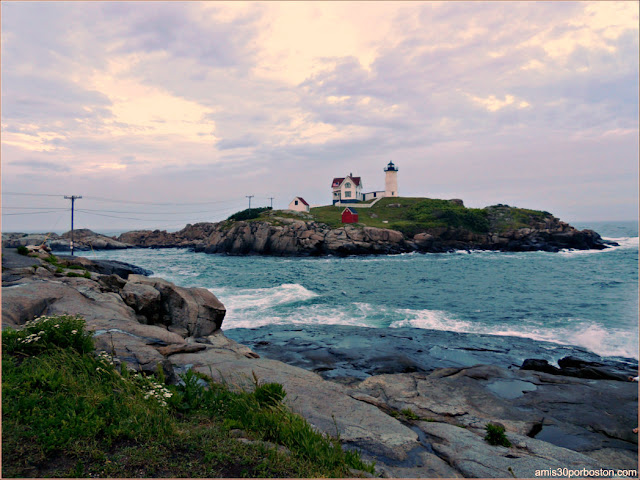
43, 165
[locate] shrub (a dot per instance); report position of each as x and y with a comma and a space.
64, 331
495, 435
269, 394
52, 259
248, 214
22, 250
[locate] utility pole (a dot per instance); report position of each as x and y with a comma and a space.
271, 198
73, 198
249, 197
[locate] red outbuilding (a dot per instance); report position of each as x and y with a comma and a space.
349, 215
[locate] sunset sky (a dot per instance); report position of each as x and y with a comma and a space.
162, 114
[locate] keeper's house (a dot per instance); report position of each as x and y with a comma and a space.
347, 189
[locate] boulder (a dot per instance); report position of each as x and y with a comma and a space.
195, 309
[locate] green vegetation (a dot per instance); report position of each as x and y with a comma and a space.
68, 412
409, 414
53, 260
410, 215
86, 274
75, 267
495, 435
504, 217
248, 214
22, 250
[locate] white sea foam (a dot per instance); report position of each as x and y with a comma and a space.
431, 320
589, 335
260, 299
624, 243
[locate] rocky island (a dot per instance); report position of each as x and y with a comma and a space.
416, 402
390, 226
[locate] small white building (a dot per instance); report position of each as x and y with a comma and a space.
347, 189
373, 195
299, 204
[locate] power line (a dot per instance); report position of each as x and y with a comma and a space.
152, 213
35, 208
113, 216
102, 199
112, 200
32, 194
30, 213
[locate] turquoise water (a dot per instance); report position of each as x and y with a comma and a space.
584, 298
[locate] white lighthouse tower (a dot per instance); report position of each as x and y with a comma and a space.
391, 180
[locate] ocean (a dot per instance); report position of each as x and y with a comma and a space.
583, 298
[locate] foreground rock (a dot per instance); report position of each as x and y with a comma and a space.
131, 316
84, 240
408, 423
436, 376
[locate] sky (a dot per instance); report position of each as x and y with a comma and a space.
161, 114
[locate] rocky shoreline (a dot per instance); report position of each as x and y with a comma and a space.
415, 402
300, 236
288, 236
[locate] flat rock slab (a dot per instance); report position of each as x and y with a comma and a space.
326, 405
591, 417
346, 353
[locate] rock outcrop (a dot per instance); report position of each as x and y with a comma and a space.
131, 316
286, 236
84, 240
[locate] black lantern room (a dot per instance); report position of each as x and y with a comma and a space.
391, 167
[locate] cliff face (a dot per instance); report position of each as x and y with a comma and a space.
286, 236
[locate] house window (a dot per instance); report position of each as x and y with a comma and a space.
347, 194
374, 194
296, 202
347, 185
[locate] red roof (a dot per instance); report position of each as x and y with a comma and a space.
338, 181
303, 201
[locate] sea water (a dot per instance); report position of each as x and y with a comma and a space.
584, 298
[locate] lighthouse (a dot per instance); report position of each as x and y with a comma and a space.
391, 180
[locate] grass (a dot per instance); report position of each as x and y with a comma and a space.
68, 412
412, 215
495, 435
409, 215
